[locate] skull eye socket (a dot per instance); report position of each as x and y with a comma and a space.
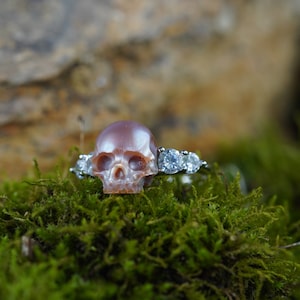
137, 163
104, 162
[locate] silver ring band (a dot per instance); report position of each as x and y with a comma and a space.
170, 161
126, 158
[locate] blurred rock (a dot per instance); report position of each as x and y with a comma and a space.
196, 72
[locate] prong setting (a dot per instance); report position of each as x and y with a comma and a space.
83, 166
172, 161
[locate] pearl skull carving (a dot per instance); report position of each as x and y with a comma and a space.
125, 158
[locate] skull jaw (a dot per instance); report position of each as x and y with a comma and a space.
122, 187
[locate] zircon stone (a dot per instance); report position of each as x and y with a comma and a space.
191, 163
83, 166
86, 164
170, 161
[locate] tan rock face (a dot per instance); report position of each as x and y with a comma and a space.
195, 72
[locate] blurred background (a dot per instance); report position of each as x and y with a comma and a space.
198, 73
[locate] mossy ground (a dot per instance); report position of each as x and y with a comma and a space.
205, 240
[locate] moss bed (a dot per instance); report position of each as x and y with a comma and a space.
61, 238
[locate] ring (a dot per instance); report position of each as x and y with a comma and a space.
126, 158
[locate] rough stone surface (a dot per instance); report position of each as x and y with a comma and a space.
195, 72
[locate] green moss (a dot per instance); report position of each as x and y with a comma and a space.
207, 240
272, 162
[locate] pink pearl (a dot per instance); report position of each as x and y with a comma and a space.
125, 157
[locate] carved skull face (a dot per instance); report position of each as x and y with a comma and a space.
125, 157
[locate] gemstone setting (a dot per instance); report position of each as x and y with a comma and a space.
171, 161
83, 166
191, 163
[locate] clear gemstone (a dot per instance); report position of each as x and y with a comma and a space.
170, 161
88, 165
191, 163
83, 166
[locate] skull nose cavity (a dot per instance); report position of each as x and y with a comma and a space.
119, 173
